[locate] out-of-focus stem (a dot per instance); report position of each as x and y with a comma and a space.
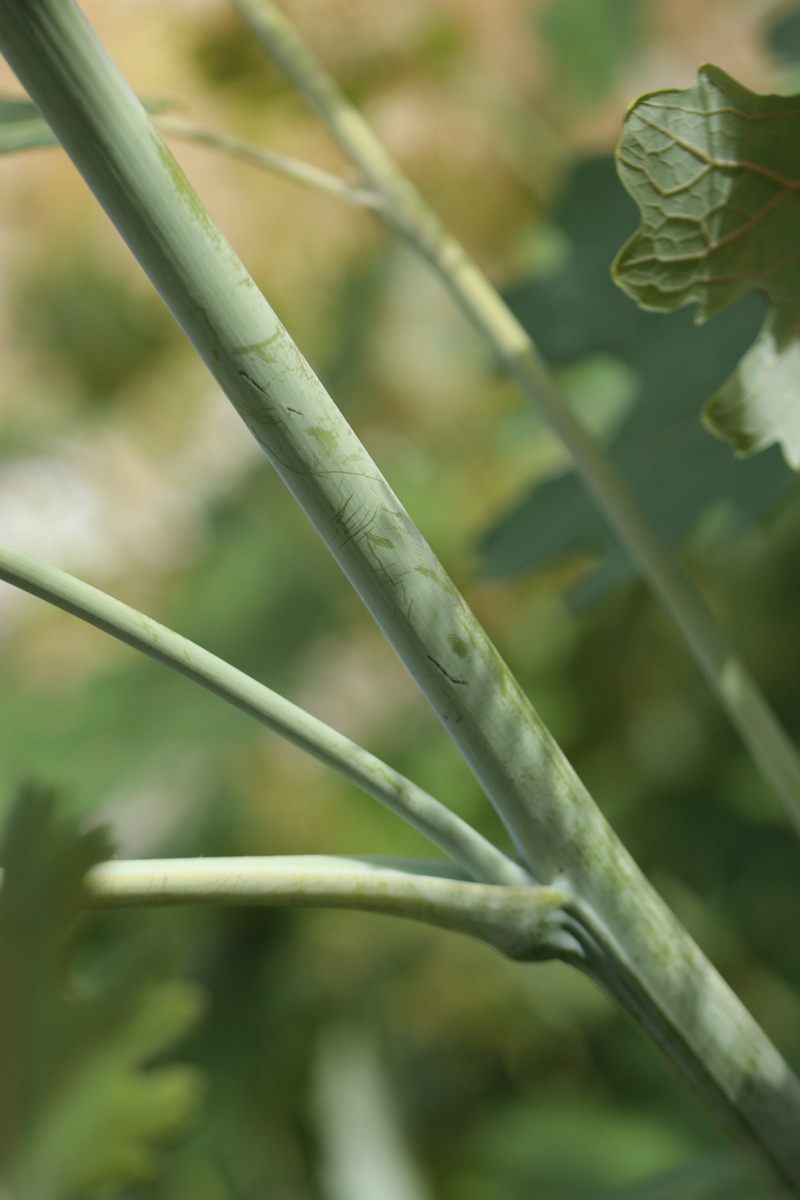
281, 164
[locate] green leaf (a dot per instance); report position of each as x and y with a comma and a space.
22, 128
715, 1178
78, 1108
571, 1146
714, 171
677, 474
97, 330
783, 34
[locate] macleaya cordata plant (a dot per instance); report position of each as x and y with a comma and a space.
570, 891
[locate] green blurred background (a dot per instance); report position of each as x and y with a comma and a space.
120, 462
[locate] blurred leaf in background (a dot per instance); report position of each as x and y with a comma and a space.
97, 331
720, 1177
535, 1148
676, 472
591, 42
782, 33
80, 1103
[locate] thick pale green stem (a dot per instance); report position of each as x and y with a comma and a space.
637, 948
479, 857
412, 219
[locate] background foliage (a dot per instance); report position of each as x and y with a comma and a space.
507, 1081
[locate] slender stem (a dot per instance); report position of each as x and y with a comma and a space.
453, 835
410, 217
744, 702
565, 840
280, 164
522, 922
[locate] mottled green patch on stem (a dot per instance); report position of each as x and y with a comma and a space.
458, 645
326, 439
189, 199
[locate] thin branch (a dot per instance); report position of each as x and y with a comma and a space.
279, 164
453, 835
409, 216
522, 922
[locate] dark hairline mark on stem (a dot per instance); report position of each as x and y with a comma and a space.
445, 672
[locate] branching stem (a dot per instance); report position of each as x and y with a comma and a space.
458, 839
522, 922
281, 164
409, 216
656, 971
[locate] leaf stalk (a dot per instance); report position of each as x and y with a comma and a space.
280, 164
521, 922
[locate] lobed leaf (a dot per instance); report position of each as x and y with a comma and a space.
714, 171
677, 474
78, 1109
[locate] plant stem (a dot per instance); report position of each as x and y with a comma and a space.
656, 971
522, 922
478, 856
409, 216
270, 160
